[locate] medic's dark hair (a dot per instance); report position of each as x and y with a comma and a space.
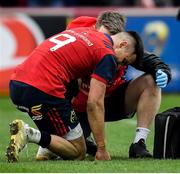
139, 48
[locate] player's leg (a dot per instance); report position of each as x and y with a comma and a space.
67, 140
144, 97
51, 121
21, 134
68, 149
44, 153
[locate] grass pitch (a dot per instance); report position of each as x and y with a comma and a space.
119, 137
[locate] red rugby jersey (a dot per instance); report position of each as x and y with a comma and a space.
68, 55
88, 21
80, 101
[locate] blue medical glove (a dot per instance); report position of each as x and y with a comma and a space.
161, 79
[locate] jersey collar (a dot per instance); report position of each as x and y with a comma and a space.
109, 37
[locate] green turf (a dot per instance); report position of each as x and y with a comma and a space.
119, 137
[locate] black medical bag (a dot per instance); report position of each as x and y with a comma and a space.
167, 134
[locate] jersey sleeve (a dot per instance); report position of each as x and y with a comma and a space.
105, 69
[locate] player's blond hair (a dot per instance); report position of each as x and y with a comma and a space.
113, 21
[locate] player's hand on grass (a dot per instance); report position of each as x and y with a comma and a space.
102, 154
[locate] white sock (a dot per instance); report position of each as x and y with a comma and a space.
141, 133
34, 135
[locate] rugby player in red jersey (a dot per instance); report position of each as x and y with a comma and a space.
113, 22
120, 94
38, 87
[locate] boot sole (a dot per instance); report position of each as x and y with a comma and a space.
11, 152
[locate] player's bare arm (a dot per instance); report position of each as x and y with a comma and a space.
95, 110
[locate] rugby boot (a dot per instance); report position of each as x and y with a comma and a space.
18, 140
138, 150
91, 146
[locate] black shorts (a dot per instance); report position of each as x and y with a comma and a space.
115, 104
51, 114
